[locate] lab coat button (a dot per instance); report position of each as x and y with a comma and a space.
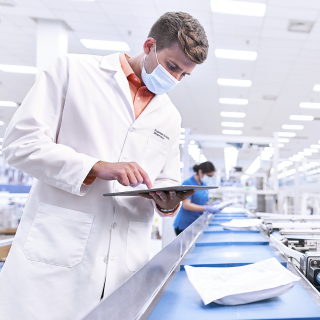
114, 225
131, 130
124, 159
105, 259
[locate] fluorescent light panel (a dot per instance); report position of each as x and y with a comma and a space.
311, 150
292, 127
105, 45
235, 54
18, 69
254, 167
238, 8
315, 146
237, 132
283, 140
301, 118
233, 114
8, 104
233, 101
232, 124
316, 87
310, 105
234, 82
286, 134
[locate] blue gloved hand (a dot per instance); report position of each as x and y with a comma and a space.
211, 209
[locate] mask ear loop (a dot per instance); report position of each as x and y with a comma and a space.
155, 50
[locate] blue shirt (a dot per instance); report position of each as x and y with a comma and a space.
186, 217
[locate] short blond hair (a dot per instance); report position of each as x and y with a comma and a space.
181, 27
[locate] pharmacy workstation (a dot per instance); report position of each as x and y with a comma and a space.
159, 160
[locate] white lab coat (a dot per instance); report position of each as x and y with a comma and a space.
71, 238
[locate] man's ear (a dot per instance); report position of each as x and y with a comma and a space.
149, 45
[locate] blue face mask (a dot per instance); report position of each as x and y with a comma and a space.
207, 180
159, 81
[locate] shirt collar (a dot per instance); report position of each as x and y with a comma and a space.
125, 64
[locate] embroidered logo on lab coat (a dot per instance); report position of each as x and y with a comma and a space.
160, 134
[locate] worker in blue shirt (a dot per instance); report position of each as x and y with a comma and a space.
195, 205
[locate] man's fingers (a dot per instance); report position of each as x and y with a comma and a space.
162, 196
185, 195
138, 176
145, 177
172, 195
155, 197
131, 177
145, 195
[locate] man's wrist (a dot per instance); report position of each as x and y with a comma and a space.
167, 211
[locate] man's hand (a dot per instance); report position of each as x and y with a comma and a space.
126, 173
167, 200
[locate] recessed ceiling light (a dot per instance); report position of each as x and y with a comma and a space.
232, 124
315, 146
305, 153
311, 150
316, 87
292, 127
310, 105
232, 132
286, 134
301, 118
239, 8
8, 104
235, 54
234, 82
18, 69
233, 101
105, 45
233, 114
283, 140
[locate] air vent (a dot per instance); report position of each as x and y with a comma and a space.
316, 119
269, 97
300, 26
256, 128
7, 3
302, 138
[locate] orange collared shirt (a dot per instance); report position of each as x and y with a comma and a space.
141, 96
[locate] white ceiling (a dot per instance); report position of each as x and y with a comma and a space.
287, 66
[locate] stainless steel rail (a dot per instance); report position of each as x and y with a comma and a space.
134, 296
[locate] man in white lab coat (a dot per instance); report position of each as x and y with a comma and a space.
92, 125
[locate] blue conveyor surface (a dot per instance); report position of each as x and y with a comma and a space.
224, 248
229, 256
182, 302
228, 238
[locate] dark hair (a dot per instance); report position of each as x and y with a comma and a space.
181, 27
205, 167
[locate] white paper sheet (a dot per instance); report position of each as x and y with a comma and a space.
241, 224
240, 285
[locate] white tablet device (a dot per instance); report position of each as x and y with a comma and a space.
167, 189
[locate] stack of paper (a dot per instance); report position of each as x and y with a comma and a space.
240, 285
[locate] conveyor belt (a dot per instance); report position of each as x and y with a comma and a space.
231, 238
218, 248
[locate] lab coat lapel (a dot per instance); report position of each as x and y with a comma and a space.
112, 62
157, 102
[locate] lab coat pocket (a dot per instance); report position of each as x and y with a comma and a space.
155, 158
138, 245
58, 236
